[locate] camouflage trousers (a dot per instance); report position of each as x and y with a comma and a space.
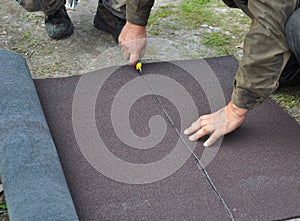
117, 7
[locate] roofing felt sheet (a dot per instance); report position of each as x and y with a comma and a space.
124, 160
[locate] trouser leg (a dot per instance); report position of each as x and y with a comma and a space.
111, 17
291, 73
57, 22
117, 7
47, 6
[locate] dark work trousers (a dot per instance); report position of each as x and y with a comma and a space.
290, 75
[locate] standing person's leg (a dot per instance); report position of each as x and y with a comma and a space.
291, 73
57, 22
117, 7
111, 16
47, 6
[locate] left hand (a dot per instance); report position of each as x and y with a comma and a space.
217, 124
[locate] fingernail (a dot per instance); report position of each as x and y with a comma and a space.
185, 131
191, 138
205, 144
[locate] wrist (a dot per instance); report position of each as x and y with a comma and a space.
135, 26
241, 112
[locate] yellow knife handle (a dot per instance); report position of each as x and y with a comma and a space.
138, 66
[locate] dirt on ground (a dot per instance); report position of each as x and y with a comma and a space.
89, 48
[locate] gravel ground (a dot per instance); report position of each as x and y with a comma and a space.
87, 48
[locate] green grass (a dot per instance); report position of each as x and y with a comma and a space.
3, 207
156, 18
191, 14
196, 12
26, 36
25, 42
218, 40
50, 68
289, 99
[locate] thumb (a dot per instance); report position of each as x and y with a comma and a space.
134, 57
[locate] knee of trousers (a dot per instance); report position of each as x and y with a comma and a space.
47, 6
292, 32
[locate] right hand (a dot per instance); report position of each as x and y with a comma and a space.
133, 40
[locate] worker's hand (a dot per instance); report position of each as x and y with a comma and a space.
217, 124
133, 39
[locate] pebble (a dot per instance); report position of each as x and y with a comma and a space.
214, 29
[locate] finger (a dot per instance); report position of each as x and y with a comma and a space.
193, 128
197, 125
200, 133
142, 53
126, 47
212, 139
126, 54
206, 117
205, 122
134, 57
120, 42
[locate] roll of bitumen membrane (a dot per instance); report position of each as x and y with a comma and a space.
34, 182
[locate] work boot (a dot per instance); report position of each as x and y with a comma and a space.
106, 21
59, 24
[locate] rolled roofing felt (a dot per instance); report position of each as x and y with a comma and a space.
34, 183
